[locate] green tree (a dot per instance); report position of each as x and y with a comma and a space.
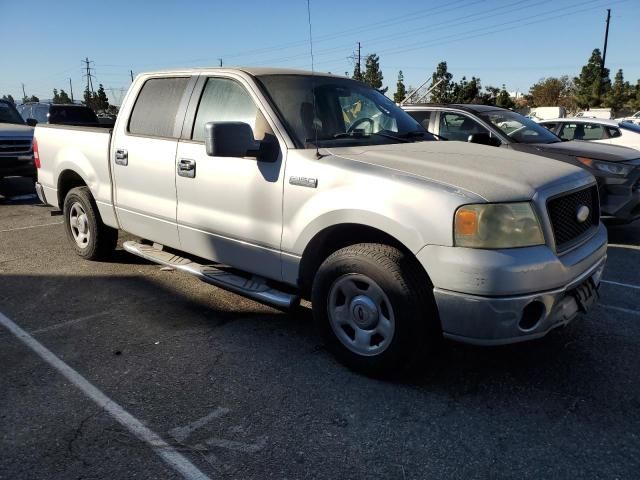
553, 92
9, 98
89, 98
401, 90
56, 97
619, 94
591, 86
488, 97
357, 73
442, 92
372, 73
31, 98
63, 97
101, 100
467, 91
504, 100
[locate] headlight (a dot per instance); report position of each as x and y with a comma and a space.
497, 225
606, 167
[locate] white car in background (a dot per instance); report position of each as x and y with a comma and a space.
613, 132
635, 118
604, 113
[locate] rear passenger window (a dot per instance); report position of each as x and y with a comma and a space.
613, 132
41, 113
154, 112
422, 118
225, 100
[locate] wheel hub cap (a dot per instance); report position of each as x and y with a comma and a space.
360, 314
364, 312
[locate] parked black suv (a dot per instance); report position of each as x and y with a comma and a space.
65, 114
616, 168
16, 154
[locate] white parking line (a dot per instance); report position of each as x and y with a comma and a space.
629, 247
626, 285
173, 458
32, 226
69, 322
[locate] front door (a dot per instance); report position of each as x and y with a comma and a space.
230, 208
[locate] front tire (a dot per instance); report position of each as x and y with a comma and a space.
90, 238
374, 306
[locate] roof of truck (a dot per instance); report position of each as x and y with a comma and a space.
255, 71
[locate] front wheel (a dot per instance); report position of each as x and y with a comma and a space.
374, 306
90, 238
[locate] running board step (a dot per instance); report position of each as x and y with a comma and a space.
254, 287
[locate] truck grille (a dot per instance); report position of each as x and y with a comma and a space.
563, 213
15, 146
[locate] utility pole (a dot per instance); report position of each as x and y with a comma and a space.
220, 62
131, 73
359, 65
71, 89
88, 74
24, 95
604, 52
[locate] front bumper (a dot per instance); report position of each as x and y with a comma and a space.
481, 295
21, 166
498, 320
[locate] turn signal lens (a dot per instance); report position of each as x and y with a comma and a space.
585, 161
466, 222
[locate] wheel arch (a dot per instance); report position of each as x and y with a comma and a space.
67, 180
335, 237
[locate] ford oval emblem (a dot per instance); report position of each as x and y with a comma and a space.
582, 213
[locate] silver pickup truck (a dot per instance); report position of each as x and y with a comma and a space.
282, 184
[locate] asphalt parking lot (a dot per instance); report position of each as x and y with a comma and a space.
242, 391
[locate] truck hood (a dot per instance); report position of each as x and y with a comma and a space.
15, 130
494, 174
581, 148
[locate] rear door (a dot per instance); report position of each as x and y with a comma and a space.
229, 208
143, 154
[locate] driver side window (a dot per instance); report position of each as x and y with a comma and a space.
454, 126
225, 100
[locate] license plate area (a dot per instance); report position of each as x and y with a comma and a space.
585, 295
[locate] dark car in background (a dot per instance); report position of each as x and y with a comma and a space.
16, 138
54, 113
617, 169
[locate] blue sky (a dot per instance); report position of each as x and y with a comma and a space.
511, 42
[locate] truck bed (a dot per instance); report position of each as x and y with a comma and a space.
80, 149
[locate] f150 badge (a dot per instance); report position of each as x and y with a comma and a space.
304, 181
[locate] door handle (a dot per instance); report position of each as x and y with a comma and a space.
187, 168
122, 157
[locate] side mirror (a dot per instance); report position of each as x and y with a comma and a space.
235, 139
484, 138
31, 122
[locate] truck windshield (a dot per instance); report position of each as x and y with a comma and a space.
518, 128
9, 114
345, 112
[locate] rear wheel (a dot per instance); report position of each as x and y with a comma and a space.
375, 309
90, 238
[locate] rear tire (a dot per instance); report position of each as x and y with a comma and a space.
374, 306
90, 238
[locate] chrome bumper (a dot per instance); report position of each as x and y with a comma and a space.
40, 193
